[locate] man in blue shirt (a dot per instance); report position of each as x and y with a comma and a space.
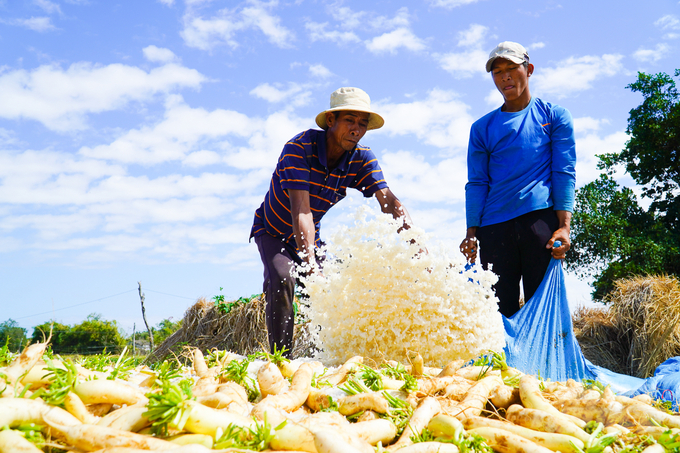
521, 180
312, 175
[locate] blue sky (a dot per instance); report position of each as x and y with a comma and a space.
138, 137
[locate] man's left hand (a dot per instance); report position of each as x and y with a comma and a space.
562, 235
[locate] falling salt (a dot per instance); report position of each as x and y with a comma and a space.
376, 287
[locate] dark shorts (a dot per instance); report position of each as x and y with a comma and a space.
515, 249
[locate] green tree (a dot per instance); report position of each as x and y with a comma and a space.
12, 335
614, 237
161, 331
91, 336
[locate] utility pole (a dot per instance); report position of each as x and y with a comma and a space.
134, 330
141, 298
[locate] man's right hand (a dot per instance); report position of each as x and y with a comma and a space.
470, 246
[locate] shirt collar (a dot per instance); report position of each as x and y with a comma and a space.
321, 149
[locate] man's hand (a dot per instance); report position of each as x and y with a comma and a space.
562, 235
469, 246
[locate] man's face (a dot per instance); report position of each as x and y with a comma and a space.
347, 129
511, 79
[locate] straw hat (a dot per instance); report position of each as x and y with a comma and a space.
355, 99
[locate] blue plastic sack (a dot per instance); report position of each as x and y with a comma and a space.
540, 337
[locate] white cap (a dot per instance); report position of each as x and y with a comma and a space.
510, 51
354, 99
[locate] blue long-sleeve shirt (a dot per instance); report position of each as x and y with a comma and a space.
520, 162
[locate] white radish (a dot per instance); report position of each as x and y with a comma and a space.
13, 442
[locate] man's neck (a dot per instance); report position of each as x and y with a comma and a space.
334, 153
516, 105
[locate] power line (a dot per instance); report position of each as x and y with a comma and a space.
76, 305
99, 300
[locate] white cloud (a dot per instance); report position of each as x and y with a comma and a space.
473, 36
440, 182
668, 22
441, 120
61, 99
39, 24
167, 2
494, 98
451, 3
392, 41
319, 70
588, 124
202, 158
246, 143
221, 28
535, 46
588, 146
575, 74
295, 95
48, 6
172, 139
159, 54
321, 32
652, 55
470, 61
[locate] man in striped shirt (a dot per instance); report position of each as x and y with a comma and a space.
313, 173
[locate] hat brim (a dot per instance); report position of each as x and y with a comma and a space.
514, 59
375, 121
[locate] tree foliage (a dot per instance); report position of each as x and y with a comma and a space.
614, 237
92, 336
12, 335
161, 331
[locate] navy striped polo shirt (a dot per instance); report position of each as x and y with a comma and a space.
303, 166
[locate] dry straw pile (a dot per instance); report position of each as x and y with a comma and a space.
242, 331
638, 329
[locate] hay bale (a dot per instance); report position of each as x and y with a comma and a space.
599, 339
243, 331
646, 312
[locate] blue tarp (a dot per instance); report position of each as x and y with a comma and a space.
540, 340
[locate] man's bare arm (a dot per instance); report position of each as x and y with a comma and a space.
303, 223
561, 234
390, 204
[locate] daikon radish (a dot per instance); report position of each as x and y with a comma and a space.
428, 408
429, 447
431, 386
99, 409
367, 415
293, 437
94, 437
270, 380
74, 405
292, 398
507, 442
206, 420
654, 448
318, 400
331, 441
105, 391
23, 364
132, 419
374, 431
553, 441
476, 372
13, 442
475, 399
504, 396
530, 394
351, 404
192, 439
174, 449
199, 364
446, 425
340, 375
417, 365
21, 411
544, 421
451, 368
